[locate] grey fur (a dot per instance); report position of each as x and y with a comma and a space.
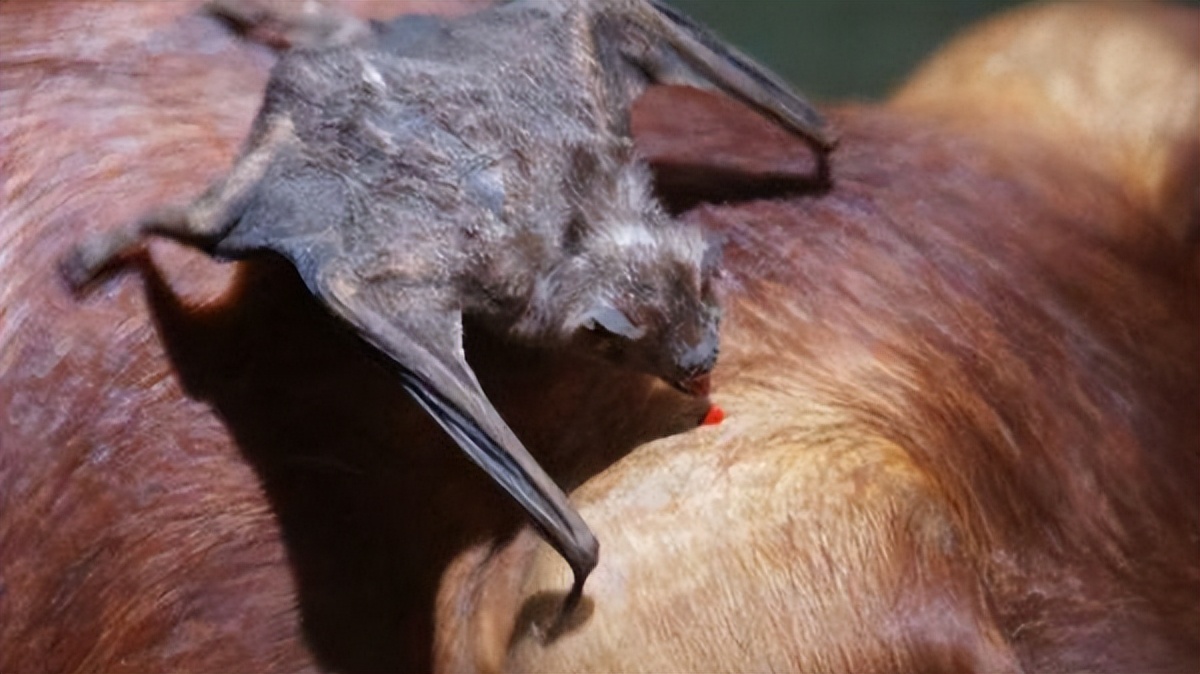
483, 166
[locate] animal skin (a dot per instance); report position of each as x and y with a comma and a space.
962, 387
429, 169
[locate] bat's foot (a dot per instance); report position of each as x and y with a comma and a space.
290, 24
95, 255
98, 253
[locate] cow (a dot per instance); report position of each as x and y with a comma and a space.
962, 389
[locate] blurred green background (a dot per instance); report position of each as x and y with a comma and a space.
838, 49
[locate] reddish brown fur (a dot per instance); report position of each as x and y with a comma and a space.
961, 390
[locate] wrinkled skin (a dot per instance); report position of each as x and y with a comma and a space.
961, 389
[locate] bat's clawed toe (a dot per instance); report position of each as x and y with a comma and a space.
285, 24
95, 255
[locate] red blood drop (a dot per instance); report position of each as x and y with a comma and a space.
715, 416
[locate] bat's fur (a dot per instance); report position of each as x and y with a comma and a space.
483, 166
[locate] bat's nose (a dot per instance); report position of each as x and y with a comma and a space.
694, 362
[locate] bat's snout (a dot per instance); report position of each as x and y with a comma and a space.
692, 366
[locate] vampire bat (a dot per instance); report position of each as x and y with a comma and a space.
427, 169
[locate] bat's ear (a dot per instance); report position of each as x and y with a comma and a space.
607, 318
690, 54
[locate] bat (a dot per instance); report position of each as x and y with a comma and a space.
424, 169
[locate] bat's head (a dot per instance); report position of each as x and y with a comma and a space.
649, 304
638, 289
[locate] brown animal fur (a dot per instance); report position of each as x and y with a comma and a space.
962, 391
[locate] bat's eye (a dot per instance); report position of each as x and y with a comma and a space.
608, 319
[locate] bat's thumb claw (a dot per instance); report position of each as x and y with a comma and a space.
571, 601
573, 612
582, 565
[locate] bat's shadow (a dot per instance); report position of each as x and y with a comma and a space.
372, 499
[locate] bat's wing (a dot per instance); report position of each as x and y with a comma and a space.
427, 346
673, 49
